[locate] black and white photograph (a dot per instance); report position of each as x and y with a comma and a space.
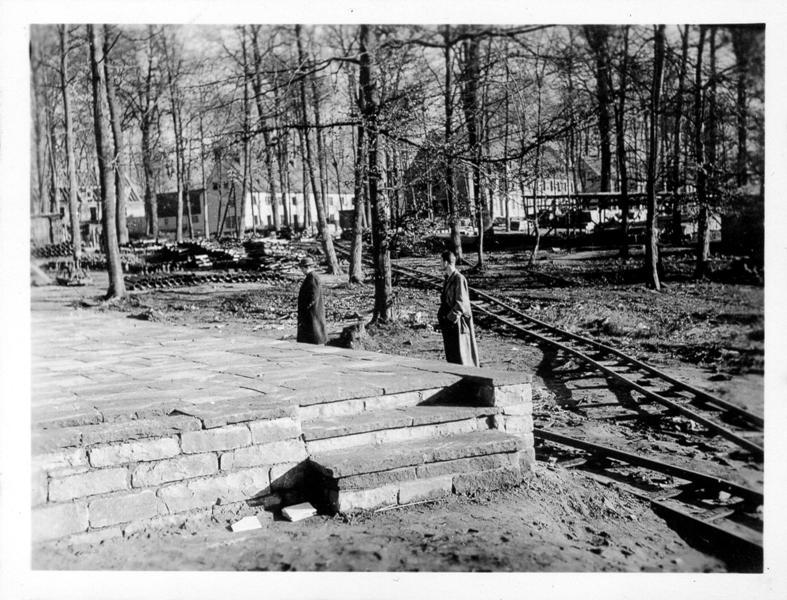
413, 294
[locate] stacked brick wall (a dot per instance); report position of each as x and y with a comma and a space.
103, 481
516, 416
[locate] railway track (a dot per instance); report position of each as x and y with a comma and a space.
648, 385
720, 515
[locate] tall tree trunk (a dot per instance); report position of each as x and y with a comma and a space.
677, 142
284, 181
54, 186
151, 201
598, 39
282, 154
187, 188
320, 146
175, 111
117, 287
505, 147
307, 214
652, 248
257, 85
241, 220
620, 129
245, 187
536, 178
399, 191
337, 171
327, 240
537, 169
203, 181
711, 185
389, 184
117, 136
703, 245
146, 120
471, 109
217, 157
742, 44
256, 215
453, 213
73, 189
356, 253
266, 138
380, 226
38, 197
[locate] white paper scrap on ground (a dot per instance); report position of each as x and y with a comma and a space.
246, 524
298, 512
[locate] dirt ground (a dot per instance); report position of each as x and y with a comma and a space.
710, 333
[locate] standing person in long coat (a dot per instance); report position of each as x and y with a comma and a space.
311, 310
455, 316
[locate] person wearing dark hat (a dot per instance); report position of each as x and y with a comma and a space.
455, 316
311, 310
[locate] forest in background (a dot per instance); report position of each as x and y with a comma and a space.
384, 112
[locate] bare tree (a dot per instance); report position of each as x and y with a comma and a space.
117, 138
677, 140
173, 64
38, 180
144, 100
327, 241
261, 112
106, 174
539, 79
73, 188
703, 242
470, 84
598, 39
745, 42
450, 190
651, 246
246, 145
360, 174
380, 226
620, 132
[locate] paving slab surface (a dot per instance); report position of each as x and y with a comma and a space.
94, 366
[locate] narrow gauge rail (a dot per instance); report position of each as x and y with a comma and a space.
720, 514
723, 418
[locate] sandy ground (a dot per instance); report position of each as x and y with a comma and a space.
559, 521
710, 333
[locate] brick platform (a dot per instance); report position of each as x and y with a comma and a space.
139, 424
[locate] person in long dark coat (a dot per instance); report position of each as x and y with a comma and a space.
455, 316
311, 310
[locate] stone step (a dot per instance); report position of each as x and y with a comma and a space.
377, 427
399, 473
310, 410
336, 464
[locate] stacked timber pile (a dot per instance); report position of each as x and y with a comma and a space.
186, 279
268, 260
201, 262
59, 257
200, 254
221, 254
267, 247
273, 255
173, 253
53, 250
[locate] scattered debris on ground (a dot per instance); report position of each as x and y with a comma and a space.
298, 512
